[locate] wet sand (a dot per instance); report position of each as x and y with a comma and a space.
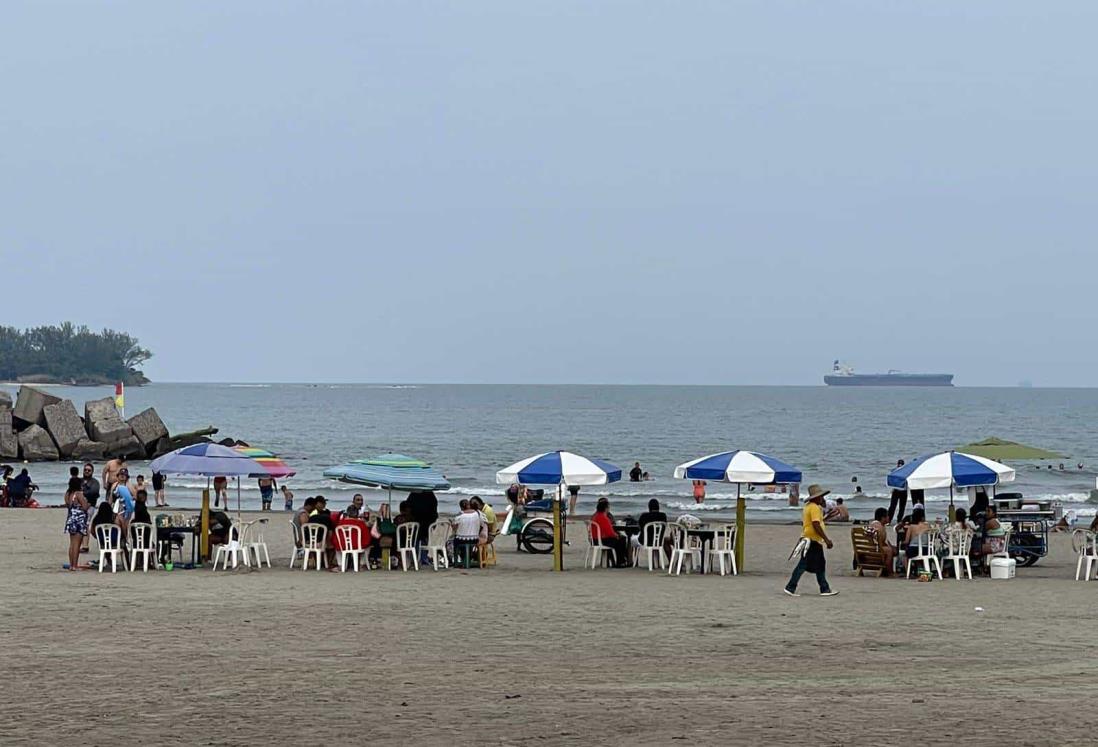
518, 654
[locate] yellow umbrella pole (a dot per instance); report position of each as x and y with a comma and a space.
741, 523
558, 556
204, 526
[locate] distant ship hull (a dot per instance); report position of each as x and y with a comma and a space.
895, 379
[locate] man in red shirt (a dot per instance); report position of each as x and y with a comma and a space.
604, 525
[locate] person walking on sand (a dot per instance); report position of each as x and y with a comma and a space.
288, 497
812, 529
573, 496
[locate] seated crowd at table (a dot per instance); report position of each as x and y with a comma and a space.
987, 532
472, 528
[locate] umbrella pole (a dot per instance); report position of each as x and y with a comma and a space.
558, 556
238, 501
741, 523
204, 525
952, 511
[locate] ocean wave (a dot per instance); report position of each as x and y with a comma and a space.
249, 386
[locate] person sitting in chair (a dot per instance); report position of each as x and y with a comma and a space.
603, 524
877, 533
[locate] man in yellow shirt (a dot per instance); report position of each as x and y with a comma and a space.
813, 558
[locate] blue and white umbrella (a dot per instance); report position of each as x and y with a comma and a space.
740, 467
559, 468
948, 470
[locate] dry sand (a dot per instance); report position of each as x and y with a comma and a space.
518, 654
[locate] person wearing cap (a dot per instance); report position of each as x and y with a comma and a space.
812, 559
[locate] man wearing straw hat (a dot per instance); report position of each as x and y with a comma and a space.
812, 559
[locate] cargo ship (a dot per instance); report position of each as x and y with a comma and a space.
844, 376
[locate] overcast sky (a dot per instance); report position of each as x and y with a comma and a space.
676, 192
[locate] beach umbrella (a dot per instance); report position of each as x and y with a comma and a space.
742, 468
998, 449
272, 464
390, 472
950, 469
563, 469
211, 460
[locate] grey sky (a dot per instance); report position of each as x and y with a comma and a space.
725, 192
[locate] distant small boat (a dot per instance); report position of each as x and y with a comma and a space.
844, 376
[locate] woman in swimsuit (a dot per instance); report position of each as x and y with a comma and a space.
76, 521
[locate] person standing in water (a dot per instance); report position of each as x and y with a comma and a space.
636, 473
699, 491
267, 487
573, 496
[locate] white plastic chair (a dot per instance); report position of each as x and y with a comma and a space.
109, 537
233, 548
1085, 543
924, 553
407, 534
296, 551
681, 549
596, 551
437, 536
724, 548
314, 542
255, 544
350, 538
651, 546
958, 548
143, 543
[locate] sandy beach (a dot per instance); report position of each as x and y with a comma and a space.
518, 654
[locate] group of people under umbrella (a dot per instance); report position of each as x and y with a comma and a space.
562, 470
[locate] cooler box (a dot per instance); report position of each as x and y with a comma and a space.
1003, 567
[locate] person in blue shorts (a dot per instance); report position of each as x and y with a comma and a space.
267, 487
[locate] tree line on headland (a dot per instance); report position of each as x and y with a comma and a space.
68, 354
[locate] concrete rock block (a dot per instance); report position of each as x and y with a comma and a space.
65, 425
99, 409
110, 431
87, 449
29, 404
127, 447
148, 427
35, 445
9, 445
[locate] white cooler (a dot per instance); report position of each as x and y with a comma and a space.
1003, 567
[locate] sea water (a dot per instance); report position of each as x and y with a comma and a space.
833, 435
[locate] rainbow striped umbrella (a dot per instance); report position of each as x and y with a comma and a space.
273, 464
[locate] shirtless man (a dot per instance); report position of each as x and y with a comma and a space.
111, 471
267, 487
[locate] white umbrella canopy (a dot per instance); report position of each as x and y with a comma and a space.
950, 469
559, 468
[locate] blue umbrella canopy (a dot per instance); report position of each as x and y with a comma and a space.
947, 470
209, 460
391, 472
747, 467
560, 468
